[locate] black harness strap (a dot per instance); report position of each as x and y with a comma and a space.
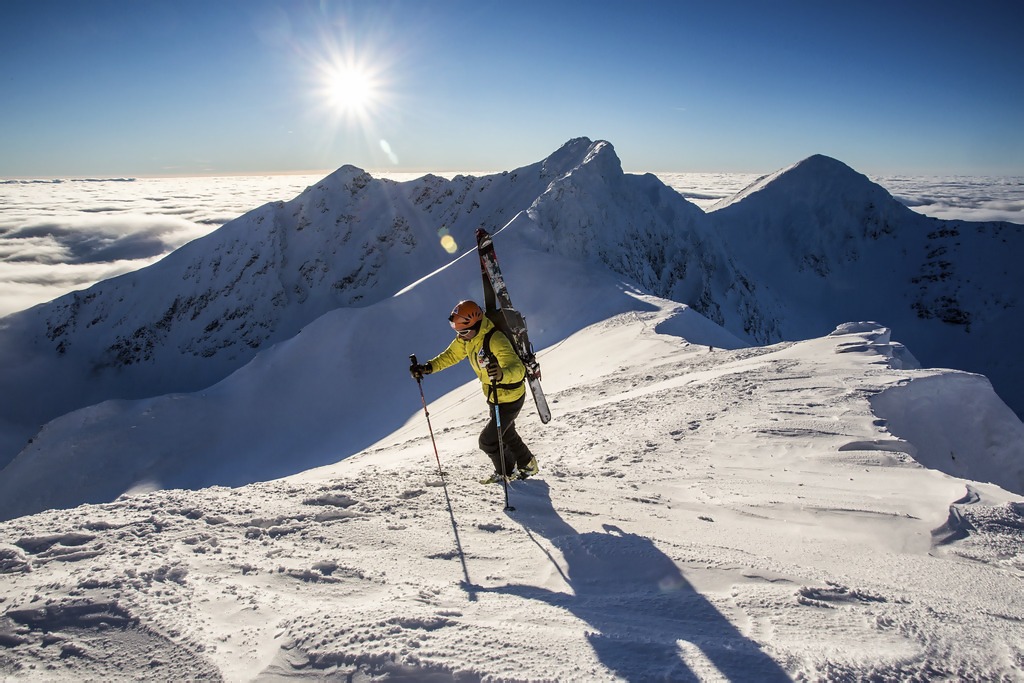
487, 348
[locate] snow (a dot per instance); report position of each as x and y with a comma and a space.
958, 425
730, 514
823, 509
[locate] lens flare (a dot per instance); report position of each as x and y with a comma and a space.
448, 242
386, 148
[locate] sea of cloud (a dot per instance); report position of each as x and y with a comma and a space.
62, 235
57, 236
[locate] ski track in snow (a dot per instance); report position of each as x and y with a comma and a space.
709, 515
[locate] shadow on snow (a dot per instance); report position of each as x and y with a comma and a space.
637, 601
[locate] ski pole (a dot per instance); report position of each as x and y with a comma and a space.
501, 447
444, 484
423, 398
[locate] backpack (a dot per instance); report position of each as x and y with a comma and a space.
494, 317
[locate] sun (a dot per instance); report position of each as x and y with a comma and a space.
350, 90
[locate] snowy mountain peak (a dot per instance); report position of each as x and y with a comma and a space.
639, 228
579, 152
819, 164
819, 205
344, 176
574, 151
823, 237
816, 178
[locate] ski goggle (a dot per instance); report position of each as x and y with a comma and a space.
467, 331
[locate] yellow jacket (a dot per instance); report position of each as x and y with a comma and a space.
501, 348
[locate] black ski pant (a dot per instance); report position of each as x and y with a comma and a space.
517, 453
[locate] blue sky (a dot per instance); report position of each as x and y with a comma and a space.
154, 87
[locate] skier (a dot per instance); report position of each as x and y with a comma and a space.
501, 374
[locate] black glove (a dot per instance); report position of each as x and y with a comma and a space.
495, 372
418, 371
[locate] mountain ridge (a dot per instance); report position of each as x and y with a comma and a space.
351, 241
254, 282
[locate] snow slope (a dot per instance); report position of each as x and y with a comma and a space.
740, 514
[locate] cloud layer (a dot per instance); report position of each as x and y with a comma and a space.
59, 236
968, 198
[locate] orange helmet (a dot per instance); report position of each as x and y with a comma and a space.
465, 315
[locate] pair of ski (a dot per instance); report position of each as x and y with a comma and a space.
499, 310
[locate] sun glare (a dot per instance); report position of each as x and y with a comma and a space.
350, 90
